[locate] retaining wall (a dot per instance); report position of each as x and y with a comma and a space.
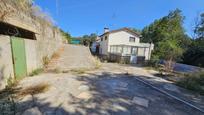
49, 40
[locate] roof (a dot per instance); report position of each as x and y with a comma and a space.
122, 29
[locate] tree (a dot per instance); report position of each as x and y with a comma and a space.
169, 38
195, 53
66, 35
167, 31
199, 29
168, 50
87, 40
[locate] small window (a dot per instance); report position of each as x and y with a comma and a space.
106, 37
11, 30
132, 39
102, 39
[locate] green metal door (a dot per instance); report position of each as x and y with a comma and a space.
19, 57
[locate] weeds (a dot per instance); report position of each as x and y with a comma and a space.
33, 90
55, 55
46, 61
97, 63
7, 104
79, 71
36, 72
194, 82
12, 82
8, 95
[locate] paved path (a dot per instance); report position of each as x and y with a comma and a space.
108, 90
74, 57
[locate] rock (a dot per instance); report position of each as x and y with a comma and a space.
84, 88
141, 101
84, 95
32, 111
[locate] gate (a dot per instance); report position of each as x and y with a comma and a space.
19, 57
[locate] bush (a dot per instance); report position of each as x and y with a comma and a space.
194, 82
46, 61
152, 63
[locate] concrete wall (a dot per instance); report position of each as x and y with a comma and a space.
48, 42
31, 54
6, 63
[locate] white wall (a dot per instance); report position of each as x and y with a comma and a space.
122, 37
104, 46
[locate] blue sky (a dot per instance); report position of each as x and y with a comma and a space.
80, 17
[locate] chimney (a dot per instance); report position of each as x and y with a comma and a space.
106, 30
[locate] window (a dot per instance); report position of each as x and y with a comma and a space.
141, 51
134, 51
132, 39
11, 30
106, 37
102, 39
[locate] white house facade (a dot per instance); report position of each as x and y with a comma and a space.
124, 42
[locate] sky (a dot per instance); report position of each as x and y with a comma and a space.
80, 17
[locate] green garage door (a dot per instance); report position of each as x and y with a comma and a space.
19, 57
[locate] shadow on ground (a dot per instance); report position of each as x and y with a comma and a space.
110, 94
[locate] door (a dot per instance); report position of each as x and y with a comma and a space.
19, 57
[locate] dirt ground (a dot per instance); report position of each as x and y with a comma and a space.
113, 89
110, 90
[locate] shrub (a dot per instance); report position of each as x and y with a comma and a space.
46, 61
97, 63
194, 82
152, 63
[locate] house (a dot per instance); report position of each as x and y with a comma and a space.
95, 46
124, 42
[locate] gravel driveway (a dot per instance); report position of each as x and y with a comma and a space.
108, 91
111, 90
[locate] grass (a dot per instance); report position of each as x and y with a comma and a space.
79, 71
33, 90
36, 72
194, 82
97, 63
